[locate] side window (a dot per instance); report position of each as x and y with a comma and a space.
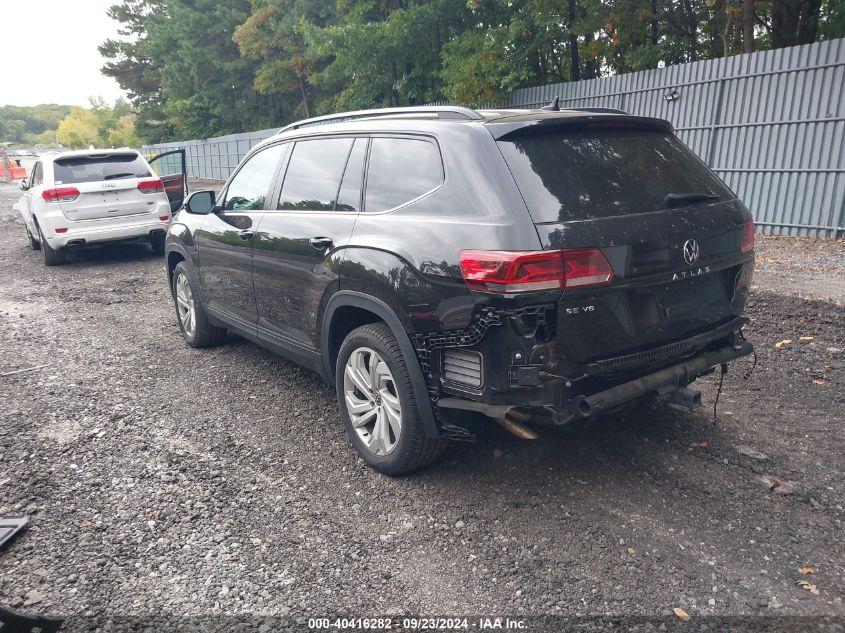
401, 169
349, 196
314, 173
250, 185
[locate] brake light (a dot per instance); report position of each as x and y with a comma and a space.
151, 186
62, 230
60, 194
164, 218
747, 243
585, 267
533, 271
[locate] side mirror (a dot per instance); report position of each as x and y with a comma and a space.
201, 202
24, 185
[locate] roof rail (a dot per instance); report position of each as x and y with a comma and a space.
442, 112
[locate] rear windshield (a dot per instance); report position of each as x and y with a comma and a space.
96, 168
597, 173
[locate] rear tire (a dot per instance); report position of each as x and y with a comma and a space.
33, 243
52, 256
157, 243
196, 329
374, 386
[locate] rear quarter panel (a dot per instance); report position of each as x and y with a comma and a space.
408, 257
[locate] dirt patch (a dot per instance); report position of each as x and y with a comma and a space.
166, 480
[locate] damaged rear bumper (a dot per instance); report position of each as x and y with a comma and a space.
660, 382
665, 383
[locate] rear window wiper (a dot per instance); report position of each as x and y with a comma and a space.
126, 175
673, 200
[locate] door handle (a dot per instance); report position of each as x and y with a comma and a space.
246, 234
321, 243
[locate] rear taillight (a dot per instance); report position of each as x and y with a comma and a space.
585, 267
60, 194
164, 218
747, 243
507, 272
151, 186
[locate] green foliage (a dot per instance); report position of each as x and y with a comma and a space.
384, 56
23, 125
272, 36
183, 72
198, 68
99, 125
79, 129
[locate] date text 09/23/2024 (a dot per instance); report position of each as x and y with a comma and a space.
417, 624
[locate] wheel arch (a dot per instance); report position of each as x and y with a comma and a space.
174, 256
362, 308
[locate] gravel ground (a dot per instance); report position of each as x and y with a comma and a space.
162, 480
806, 267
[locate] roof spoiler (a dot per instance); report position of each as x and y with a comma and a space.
590, 119
554, 106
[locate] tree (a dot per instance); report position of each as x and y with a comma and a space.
184, 73
386, 53
273, 37
100, 125
748, 19
80, 129
19, 124
135, 61
197, 68
794, 22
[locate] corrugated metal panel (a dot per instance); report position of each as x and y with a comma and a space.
771, 124
214, 158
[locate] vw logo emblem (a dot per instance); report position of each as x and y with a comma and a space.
690, 251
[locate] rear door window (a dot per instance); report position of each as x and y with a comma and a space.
401, 170
595, 173
78, 169
314, 174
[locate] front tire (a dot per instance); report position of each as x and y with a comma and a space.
52, 256
193, 322
377, 403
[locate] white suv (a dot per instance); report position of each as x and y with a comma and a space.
78, 199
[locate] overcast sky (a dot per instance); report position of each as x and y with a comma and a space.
54, 47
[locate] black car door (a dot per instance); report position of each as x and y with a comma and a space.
224, 240
299, 243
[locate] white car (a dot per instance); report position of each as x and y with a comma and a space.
78, 199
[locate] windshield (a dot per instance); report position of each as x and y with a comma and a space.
77, 169
584, 174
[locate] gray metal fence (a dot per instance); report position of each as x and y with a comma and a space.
213, 158
771, 124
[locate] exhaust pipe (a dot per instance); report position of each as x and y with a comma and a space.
583, 407
676, 376
517, 428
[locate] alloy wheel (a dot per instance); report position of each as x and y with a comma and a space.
372, 401
185, 304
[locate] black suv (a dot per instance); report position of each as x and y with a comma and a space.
435, 263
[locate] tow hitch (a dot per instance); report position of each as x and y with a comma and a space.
673, 379
685, 399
